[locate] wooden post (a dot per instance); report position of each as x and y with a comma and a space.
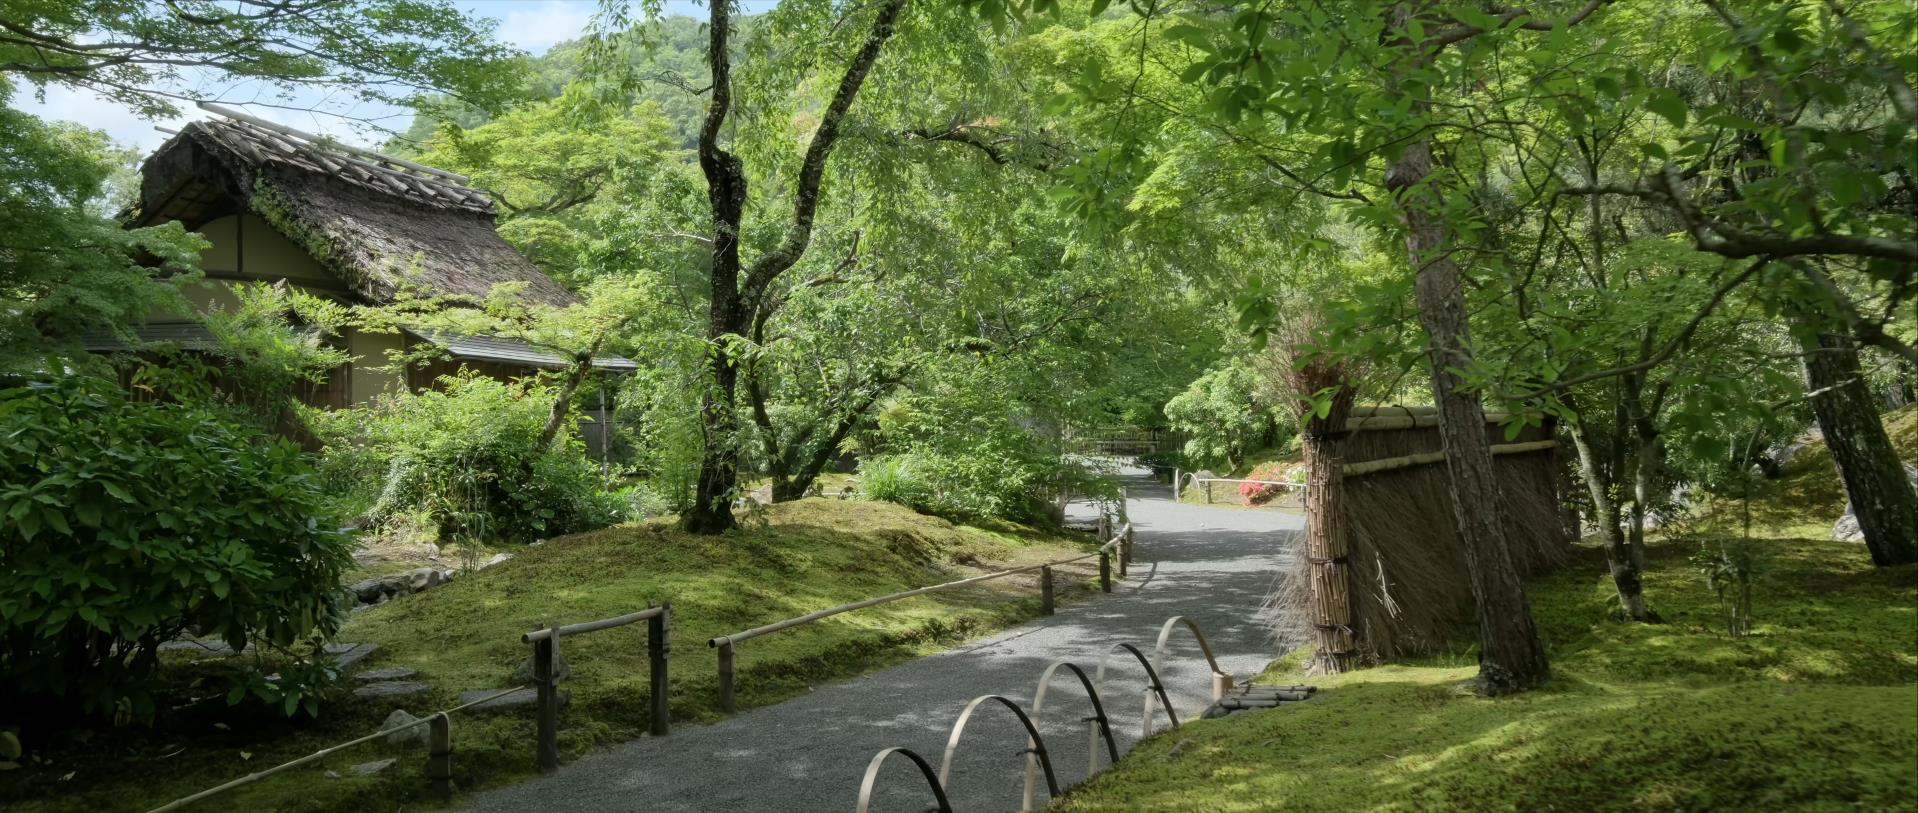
1045, 590
1122, 557
1221, 686
546, 750
657, 647
1125, 548
1105, 571
1104, 531
1176, 475
439, 756
1208, 492
726, 703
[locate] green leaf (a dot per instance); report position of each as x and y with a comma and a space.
1669, 105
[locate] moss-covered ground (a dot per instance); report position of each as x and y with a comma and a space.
804, 556
1817, 709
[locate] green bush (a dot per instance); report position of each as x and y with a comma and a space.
1224, 415
123, 524
466, 461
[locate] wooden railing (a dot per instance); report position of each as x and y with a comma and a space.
439, 752
1120, 545
545, 642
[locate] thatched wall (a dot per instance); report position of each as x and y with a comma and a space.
1409, 591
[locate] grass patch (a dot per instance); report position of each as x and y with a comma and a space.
1816, 710
808, 556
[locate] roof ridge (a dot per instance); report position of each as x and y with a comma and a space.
264, 141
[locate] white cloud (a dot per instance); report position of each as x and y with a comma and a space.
539, 26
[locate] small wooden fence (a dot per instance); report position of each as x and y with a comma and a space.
1099, 727
1291, 496
439, 753
1120, 544
545, 643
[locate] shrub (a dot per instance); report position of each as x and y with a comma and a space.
1223, 414
465, 459
123, 524
1277, 471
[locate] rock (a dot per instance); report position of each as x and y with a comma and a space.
497, 558
346, 656
399, 718
763, 495
391, 689
563, 671
388, 673
199, 646
1206, 474
370, 768
417, 580
1846, 528
521, 699
1784, 453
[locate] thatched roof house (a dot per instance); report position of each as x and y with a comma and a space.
279, 205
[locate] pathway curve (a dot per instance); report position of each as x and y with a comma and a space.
1215, 565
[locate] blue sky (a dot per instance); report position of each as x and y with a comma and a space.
533, 25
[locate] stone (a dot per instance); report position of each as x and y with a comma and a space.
399, 718
563, 671
346, 656
201, 646
521, 699
1846, 528
370, 768
391, 689
497, 558
383, 588
388, 673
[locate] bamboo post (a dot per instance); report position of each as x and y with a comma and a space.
1176, 475
546, 750
1325, 550
657, 647
1105, 571
726, 703
439, 756
1045, 590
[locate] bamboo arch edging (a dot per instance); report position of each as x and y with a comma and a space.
1100, 725
1035, 745
1153, 684
925, 769
1221, 681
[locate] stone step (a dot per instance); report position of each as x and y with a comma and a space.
521, 699
391, 689
386, 673
1259, 697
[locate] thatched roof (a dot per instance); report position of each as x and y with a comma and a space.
372, 223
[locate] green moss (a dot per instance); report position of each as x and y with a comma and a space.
1813, 711
1808, 496
813, 554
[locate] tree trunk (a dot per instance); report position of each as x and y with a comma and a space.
1625, 572
1511, 658
712, 510
563, 405
1881, 496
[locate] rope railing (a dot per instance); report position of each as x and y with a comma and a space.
1120, 545
439, 756
439, 772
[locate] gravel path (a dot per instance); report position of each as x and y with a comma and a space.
1215, 565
